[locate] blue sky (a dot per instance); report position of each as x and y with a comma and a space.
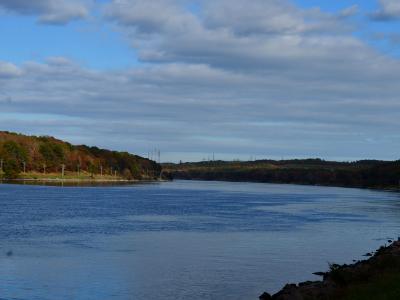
92, 44
261, 78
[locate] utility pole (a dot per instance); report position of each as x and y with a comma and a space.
101, 170
24, 164
78, 169
62, 170
44, 168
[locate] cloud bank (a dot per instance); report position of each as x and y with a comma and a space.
238, 78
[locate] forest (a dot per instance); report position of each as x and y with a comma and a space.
23, 156
363, 173
27, 156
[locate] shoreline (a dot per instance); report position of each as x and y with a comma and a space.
374, 278
72, 177
371, 174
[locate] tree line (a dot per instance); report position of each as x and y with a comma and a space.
44, 154
364, 173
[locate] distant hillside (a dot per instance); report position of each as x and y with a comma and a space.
47, 155
364, 173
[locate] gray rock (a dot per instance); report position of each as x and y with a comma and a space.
265, 296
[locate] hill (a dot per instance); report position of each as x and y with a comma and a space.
37, 157
363, 173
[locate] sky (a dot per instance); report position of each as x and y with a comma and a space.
237, 79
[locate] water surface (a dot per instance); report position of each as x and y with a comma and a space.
183, 239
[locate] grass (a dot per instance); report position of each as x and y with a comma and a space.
84, 176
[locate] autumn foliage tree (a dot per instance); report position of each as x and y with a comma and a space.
37, 152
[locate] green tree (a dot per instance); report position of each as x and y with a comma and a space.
52, 153
135, 171
11, 169
14, 151
13, 155
91, 169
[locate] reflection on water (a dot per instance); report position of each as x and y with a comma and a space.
181, 240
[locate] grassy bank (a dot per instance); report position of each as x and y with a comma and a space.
68, 176
73, 177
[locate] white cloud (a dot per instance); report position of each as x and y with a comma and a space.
260, 34
271, 17
56, 12
9, 70
389, 10
149, 17
349, 11
187, 107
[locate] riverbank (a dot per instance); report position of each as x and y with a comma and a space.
73, 177
360, 174
47, 158
84, 179
375, 278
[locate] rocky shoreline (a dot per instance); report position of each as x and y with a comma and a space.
378, 274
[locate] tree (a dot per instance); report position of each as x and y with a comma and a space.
13, 155
52, 153
135, 172
91, 169
127, 174
11, 169
14, 151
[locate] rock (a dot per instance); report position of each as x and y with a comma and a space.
378, 262
289, 292
265, 296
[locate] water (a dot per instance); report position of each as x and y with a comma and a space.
183, 239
